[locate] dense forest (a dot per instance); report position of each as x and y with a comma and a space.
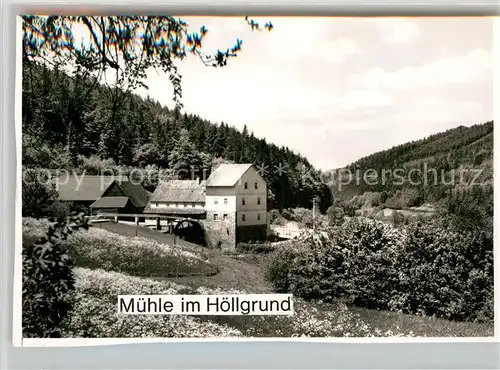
452, 172
432, 168
74, 123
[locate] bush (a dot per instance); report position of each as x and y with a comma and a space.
272, 236
258, 248
303, 216
320, 273
274, 216
402, 199
371, 247
399, 219
280, 266
444, 274
99, 248
34, 228
420, 269
469, 210
287, 215
335, 215
40, 198
48, 281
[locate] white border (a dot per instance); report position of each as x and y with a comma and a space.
496, 170
77, 342
17, 291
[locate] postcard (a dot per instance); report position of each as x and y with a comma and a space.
239, 178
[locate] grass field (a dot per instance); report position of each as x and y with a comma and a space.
141, 231
423, 326
248, 274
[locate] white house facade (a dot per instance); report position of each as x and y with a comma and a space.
231, 203
236, 202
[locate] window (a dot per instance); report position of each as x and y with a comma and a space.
242, 201
216, 201
192, 205
225, 200
258, 200
246, 185
258, 216
156, 204
185, 205
256, 186
225, 216
216, 216
243, 217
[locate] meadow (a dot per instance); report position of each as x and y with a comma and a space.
108, 264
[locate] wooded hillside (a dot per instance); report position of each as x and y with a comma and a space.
457, 158
74, 124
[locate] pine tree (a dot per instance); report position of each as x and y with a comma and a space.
185, 159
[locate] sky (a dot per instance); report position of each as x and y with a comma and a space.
338, 89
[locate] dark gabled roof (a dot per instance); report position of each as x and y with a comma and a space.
174, 211
110, 202
83, 188
179, 191
135, 192
228, 174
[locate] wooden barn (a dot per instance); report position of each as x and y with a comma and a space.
123, 197
83, 190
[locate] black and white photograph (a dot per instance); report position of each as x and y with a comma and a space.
309, 177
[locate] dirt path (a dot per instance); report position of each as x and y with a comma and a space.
233, 274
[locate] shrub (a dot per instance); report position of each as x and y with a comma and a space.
274, 215
371, 247
99, 248
280, 266
40, 198
254, 247
399, 219
272, 236
402, 199
373, 199
319, 273
420, 269
287, 214
304, 216
444, 273
48, 281
34, 228
335, 215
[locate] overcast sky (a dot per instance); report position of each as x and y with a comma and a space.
337, 89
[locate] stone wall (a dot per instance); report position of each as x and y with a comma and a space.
220, 232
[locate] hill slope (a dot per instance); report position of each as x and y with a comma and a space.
70, 124
424, 171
